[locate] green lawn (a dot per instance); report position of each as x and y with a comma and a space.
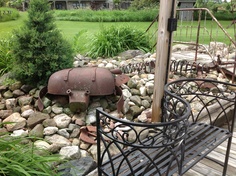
71, 28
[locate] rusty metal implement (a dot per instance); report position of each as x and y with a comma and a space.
81, 83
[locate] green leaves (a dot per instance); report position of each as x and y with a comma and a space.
24, 159
113, 40
39, 48
107, 15
6, 57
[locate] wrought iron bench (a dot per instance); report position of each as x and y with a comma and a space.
192, 114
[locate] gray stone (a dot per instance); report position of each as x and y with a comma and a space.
27, 113
58, 141
126, 106
70, 152
36, 118
104, 103
79, 167
46, 102
56, 109
37, 131
47, 110
8, 94
26, 88
2, 104
134, 91
150, 87
50, 130
136, 99
5, 113
15, 85
10, 103
91, 117
62, 120
146, 104
3, 131
63, 133
142, 134
40, 144
25, 100
75, 133
49, 122
16, 122
17, 93
143, 91
135, 111
126, 93
20, 133
132, 83
71, 127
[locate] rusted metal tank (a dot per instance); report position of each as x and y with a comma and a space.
81, 83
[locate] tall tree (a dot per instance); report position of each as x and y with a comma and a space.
39, 48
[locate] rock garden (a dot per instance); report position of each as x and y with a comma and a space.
70, 134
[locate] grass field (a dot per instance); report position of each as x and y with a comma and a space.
69, 28
186, 31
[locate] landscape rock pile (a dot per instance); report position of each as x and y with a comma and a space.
60, 128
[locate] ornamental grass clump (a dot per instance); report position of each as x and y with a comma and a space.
21, 159
113, 40
6, 57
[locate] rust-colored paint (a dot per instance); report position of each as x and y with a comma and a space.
92, 80
81, 83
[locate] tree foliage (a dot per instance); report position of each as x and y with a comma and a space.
141, 4
39, 48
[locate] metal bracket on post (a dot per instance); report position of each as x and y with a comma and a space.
172, 24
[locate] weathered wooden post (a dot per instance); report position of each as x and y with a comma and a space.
167, 23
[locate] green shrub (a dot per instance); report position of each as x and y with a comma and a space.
6, 56
24, 159
142, 4
78, 45
8, 14
106, 15
39, 48
113, 40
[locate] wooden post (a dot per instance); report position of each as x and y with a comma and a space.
163, 51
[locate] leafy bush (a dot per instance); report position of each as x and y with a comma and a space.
24, 159
113, 40
78, 45
142, 4
39, 48
7, 14
106, 15
6, 57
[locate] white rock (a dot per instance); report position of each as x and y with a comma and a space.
42, 144
58, 140
27, 113
20, 133
50, 130
10, 103
109, 66
64, 133
126, 93
16, 122
151, 76
57, 110
62, 120
70, 152
143, 91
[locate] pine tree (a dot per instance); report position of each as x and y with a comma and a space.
39, 48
